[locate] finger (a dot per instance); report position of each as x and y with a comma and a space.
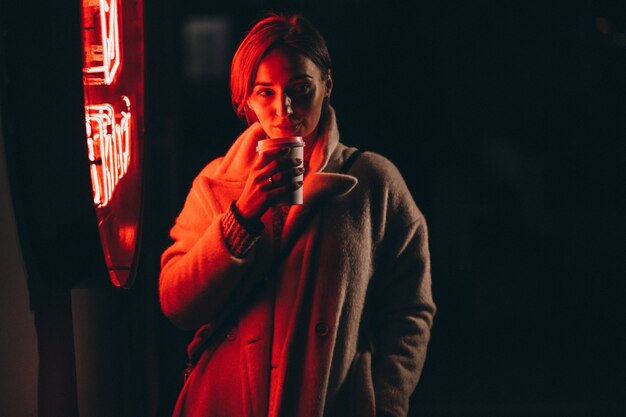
282, 179
268, 184
286, 175
269, 155
279, 169
278, 193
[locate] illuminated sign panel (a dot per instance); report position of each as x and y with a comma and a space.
101, 41
112, 33
108, 144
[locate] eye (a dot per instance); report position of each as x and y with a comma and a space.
264, 92
302, 88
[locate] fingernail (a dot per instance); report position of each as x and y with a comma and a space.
298, 160
300, 170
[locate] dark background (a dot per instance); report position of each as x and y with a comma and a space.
507, 120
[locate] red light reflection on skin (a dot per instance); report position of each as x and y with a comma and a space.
108, 144
101, 41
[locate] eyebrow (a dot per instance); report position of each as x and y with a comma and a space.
295, 78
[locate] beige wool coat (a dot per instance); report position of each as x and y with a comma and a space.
358, 319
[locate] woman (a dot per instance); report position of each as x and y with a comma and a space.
340, 326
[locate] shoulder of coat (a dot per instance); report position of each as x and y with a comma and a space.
385, 182
376, 167
209, 169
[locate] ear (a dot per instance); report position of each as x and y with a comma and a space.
329, 85
249, 110
249, 113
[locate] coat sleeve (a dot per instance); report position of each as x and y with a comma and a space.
404, 308
199, 276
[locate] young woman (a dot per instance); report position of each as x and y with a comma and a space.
340, 326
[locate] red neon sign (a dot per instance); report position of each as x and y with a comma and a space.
113, 85
101, 41
108, 144
108, 128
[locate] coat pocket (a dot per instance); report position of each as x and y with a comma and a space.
362, 402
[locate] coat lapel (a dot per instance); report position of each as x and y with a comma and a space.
319, 188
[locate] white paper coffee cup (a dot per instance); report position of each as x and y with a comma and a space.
296, 146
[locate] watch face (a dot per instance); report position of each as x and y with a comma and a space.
113, 84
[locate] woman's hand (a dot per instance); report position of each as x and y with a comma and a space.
271, 178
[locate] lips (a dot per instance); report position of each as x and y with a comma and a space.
288, 126
288, 129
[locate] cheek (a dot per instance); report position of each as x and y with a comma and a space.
262, 114
311, 107
313, 110
308, 103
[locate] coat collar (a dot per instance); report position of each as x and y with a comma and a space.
227, 175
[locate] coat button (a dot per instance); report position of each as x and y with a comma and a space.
321, 329
232, 335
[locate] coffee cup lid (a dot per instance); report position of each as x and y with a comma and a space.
293, 141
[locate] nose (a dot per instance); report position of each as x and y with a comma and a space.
284, 107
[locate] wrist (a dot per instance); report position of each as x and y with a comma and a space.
251, 223
238, 238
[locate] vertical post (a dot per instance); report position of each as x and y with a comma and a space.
57, 389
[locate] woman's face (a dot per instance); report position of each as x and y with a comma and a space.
288, 94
